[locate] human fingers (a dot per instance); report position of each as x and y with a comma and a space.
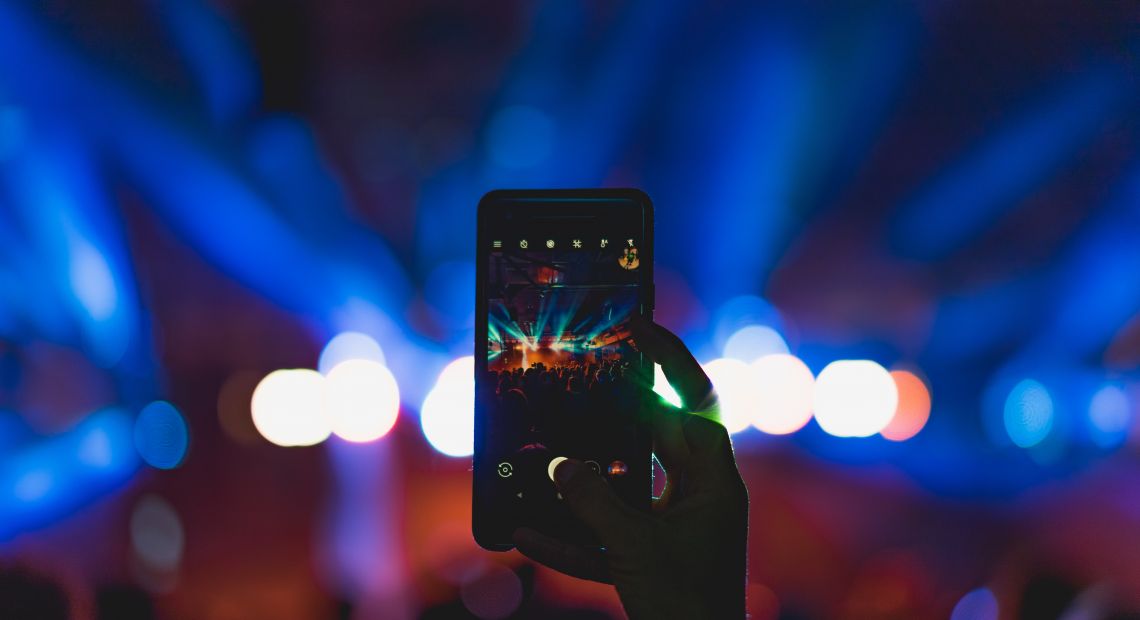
670, 447
563, 557
592, 500
682, 370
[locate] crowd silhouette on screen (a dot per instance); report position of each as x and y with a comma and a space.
577, 407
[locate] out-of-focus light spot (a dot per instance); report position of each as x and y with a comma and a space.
33, 485
1028, 413
662, 388
736, 393
782, 386
980, 604
349, 346
447, 416
95, 449
157, 538
854, 398
741, 312
753, 342
458, 372
1110, 415
92, 281
234, 414
914, 407
290, 408
363, 400
103, 442
161, 435
520, 136
494, 592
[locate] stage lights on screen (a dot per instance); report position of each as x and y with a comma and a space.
854, 398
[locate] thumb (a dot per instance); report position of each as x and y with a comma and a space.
592, 500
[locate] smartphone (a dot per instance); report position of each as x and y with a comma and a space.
560, 273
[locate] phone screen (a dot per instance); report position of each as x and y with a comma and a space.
558, 372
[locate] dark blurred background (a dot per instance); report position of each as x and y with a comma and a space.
195, 194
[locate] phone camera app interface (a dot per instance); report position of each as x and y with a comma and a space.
563, 378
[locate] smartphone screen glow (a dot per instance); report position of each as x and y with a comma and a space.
561, 376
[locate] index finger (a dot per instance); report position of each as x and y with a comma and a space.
682, 370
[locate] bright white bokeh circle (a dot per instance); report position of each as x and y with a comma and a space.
735, 391
447, 416
363, 400
458, 372
290, 407
854, 398
783, 389
349, 346
752, 342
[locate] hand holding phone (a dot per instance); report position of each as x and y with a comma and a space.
562, 273
688, 558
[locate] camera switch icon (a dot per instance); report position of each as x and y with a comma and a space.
506, 470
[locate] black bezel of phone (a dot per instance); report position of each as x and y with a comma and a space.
552, 201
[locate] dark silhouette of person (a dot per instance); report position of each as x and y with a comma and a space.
687, 558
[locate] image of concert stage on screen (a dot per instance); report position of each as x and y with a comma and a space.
561, 310
561, 363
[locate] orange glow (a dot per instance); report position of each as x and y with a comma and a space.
914, 407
